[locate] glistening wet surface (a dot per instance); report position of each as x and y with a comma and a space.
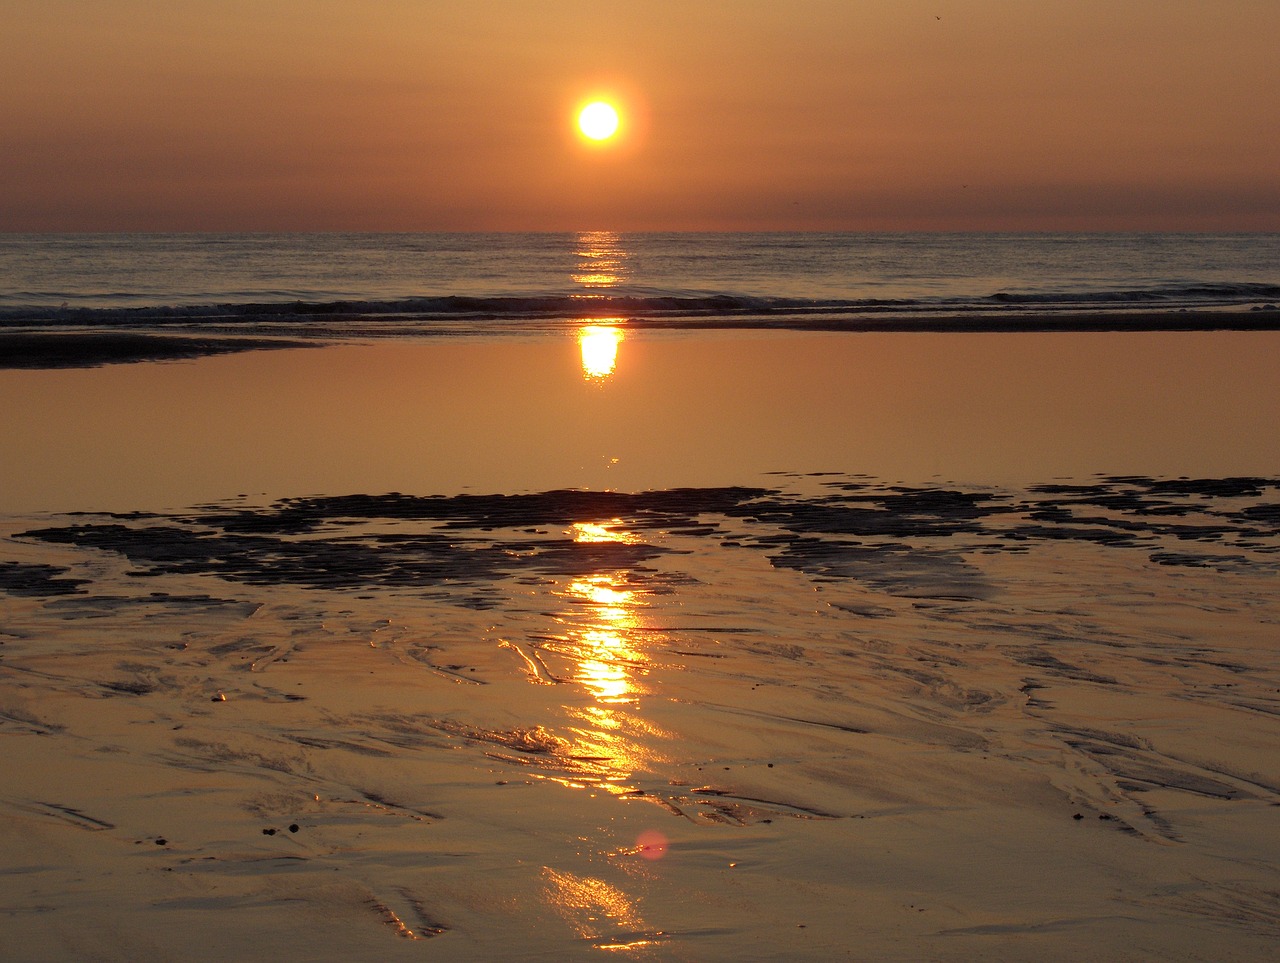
670, 722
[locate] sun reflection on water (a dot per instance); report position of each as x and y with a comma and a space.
599, 346
602, 260
602, 265
605, 639
603, 532
603, 645
619, 742
602, 637
595, 909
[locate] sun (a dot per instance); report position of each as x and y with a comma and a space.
598, 120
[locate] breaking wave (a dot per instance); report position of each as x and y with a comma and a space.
699, 310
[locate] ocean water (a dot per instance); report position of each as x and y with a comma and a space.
426, 279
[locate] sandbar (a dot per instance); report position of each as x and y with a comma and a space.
86, 349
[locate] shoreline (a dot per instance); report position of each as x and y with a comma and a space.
57, 346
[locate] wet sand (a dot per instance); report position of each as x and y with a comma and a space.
810, 713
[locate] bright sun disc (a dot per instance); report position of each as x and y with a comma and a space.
598, 120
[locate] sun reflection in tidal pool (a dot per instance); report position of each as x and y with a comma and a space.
619, 742
599, 346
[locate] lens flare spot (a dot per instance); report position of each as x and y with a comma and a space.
651, 844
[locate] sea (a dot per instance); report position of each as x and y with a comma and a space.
496, 282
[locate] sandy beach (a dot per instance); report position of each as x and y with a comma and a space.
749, 646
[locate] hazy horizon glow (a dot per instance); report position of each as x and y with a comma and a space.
817, 115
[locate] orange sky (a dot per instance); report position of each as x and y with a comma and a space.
751, 114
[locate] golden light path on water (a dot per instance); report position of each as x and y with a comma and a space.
602, 265
603, 259
605, 642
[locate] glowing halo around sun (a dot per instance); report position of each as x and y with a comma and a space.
598, 120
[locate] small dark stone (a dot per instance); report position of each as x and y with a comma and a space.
770, 765
161, 841
268, 832
1077, 816
293, 827
1105, 816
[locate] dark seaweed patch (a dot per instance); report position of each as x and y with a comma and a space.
18, 578
1269, 513
888, 537
667, 508
343, 562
